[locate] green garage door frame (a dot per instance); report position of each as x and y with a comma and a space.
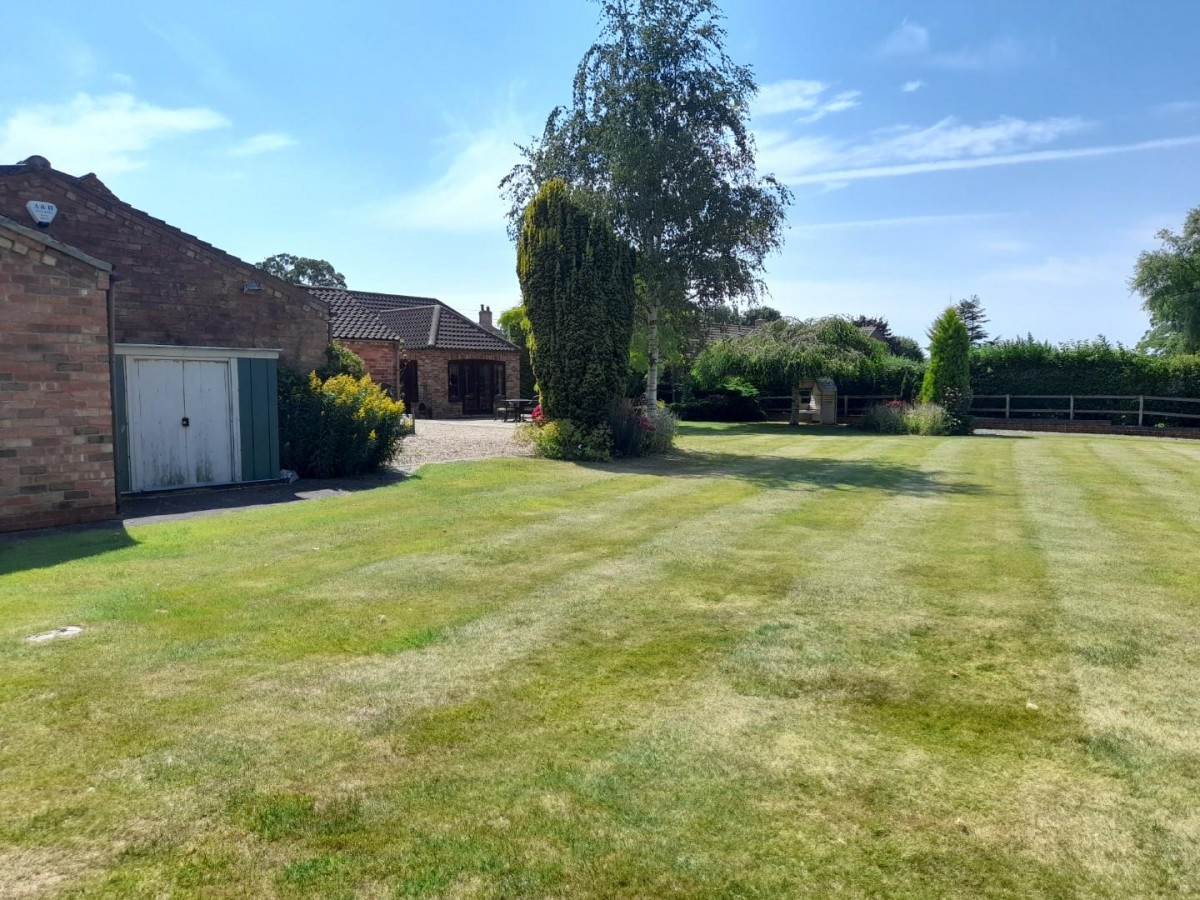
257, 413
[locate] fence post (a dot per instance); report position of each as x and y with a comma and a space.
845, 406
1007, 406
1141, 409
1072, 415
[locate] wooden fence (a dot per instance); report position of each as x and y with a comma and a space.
1139, 410
1119, 409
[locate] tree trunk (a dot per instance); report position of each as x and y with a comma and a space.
795, 417
652, 354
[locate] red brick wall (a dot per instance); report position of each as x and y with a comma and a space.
382, 359
433, 375
56, 445
172, 289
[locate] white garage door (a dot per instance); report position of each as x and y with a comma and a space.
180, 422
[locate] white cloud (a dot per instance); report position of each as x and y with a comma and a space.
809, 160
262, 143
797, 95
465, 196
909, 39
891, 171
101, 134
910, 87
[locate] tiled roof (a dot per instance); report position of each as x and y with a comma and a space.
412, 324
725, 332
420, 322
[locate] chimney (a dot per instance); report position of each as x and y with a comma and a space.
485, 317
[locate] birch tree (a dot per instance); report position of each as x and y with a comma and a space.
656, 139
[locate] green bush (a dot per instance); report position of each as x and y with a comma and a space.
660, 436
340, 426
898, 417
577, 285
735, 400
564, 439
887, 418
340, 360
948, 377
929, 419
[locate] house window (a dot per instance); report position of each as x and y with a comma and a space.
454, 380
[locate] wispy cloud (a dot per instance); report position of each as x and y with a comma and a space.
798, 95
105, 134
949, 165
999, 53
910, 87
910, 39
914, 43
267, 142
896, 222
465, 197
810, 160
1176, 108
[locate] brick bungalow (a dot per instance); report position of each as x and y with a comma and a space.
437, 359
186, 337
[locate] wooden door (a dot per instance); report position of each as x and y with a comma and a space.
180, 423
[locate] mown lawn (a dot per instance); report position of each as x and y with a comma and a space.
781, 663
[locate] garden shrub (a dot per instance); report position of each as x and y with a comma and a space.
577, 286
928, 419
735, 400
660, 436
898, 417
564, 439
338, 426
640, 431
887, 418
340, 360
948, 377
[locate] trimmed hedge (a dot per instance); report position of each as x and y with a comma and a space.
1087, 367
1031, 368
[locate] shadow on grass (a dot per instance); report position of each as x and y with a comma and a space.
790, 473
170, 506
41, 549
780, 429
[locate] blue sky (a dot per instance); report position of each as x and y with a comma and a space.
1024, 152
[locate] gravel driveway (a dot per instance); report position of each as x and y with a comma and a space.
442, 440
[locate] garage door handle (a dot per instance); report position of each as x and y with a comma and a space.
184, 423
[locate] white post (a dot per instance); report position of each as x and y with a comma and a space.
1072, 414
1008, 406
1141, 409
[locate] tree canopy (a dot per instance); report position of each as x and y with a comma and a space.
974, 318
897, 345
656, 140
303, 270
792, 353
1168, 281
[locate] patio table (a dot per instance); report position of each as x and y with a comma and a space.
518, 405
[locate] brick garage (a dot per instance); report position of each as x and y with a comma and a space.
174, 289
193, 326
443, 364
56, 455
